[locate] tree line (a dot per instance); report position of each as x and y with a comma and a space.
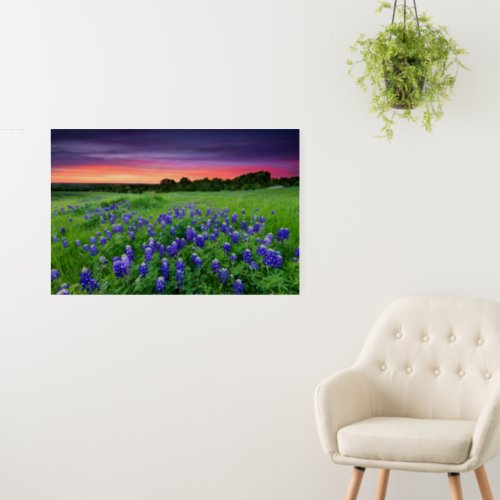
246, 182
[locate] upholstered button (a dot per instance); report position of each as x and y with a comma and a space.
480, 341
452, 338
437, 372
487, 375
409, 369
461, 373
383, 367
425, 338
399, 335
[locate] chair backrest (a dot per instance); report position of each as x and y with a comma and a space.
431, 357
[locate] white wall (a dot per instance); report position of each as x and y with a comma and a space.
205, 397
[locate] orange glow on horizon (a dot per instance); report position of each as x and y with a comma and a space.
126, 174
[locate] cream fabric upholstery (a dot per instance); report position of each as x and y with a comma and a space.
425, 358
407, 439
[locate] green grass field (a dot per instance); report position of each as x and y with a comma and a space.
91, 217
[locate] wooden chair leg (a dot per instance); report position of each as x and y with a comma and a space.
484, 485
355, 484
383, 480
455, 486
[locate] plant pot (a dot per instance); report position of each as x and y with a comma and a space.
403, 99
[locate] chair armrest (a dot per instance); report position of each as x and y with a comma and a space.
486, 437
342, 399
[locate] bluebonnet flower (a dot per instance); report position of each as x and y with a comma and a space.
109, 234
238, 287
54, 274
246, 256
296, 254
223, 275
196, 260
283, 234
256, 227
273, 212
172, 249
93, 250
117, 228
234, 218
148, 254
262, 219
261, 250
86, 248
233, 257
254, 266
103, 260
199, 241
226, 247
243, 225
92, 240
55, 239
121, 266
172, 230
160, 284
215, 266
102, 241
189, 233
150, 230
129, 252
65, 242
268, 239
70, 219
63, 230
179, 272
87, 281
273, 259
143, 269
235, 237
63, 291
164, 268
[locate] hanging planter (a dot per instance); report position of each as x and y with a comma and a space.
410, 67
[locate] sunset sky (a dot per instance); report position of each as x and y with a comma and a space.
147, 156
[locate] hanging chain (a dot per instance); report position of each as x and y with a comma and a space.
404, 14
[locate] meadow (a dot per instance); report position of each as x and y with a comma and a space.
229, 242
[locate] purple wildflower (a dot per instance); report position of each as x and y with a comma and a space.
179, 272
121, 266
246, 256
196, 260
148, 254
160, 284
226, 247
129, 252
223, 275
87, 281
164, 268
143, 269
238, 287
215, 266
283, 234
199, 241
273, 259
54, 274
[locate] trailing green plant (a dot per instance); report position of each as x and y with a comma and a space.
410, 67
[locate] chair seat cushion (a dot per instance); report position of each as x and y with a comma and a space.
407, 440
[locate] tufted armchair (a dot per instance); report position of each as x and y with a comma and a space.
424, 394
